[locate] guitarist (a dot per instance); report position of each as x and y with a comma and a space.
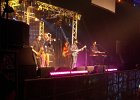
74, 54
66, 54
66, 49
37, 48
75, 51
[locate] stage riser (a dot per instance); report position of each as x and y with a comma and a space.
71, 88
108, 86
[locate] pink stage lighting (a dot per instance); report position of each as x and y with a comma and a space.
111, 69
68, 72
79, 72
59, 73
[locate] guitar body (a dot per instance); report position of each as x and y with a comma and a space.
37, 54
74, 53
43, 58
66, 50
65, 54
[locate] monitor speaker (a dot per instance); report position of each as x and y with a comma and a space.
90, 68
45, 72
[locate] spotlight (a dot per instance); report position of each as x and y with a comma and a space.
119, 0
36, 19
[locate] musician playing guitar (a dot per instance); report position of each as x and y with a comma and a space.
38, 51
66, 49
66, 53
75, 51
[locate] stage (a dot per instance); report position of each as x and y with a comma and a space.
117, 41
98, 86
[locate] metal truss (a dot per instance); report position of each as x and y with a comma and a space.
11, 3
14, 3
74, 30
41, 27
62, 12
57, 11
29, 14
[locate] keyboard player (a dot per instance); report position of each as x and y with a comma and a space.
97, 57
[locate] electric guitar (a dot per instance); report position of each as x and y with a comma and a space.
38, 54
75, 52
66, 52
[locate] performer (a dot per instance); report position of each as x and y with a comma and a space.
74, 47
75, 51
94, 48
97, 57
43, 57
49, 49
66, 54
47, 42
39, 54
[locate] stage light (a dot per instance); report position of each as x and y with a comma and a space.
79, 72
68, 72
119, 0
59, 73
36, 19
111, 69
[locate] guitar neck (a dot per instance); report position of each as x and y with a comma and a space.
80, 49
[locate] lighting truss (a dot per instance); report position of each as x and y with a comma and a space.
14, 3
63, 12
41, 28
57, 11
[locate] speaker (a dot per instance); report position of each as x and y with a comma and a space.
99, 68
13, 33
90, 68
45, 72
96, 69
63, 69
